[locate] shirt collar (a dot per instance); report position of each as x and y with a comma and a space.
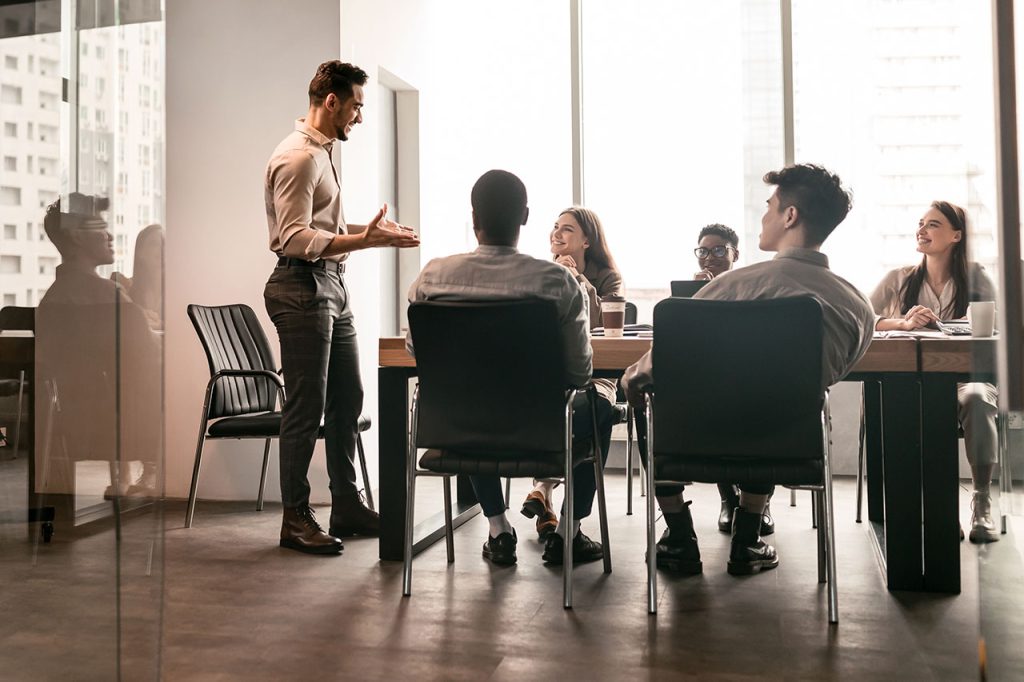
810, 256
492, 250
313, 134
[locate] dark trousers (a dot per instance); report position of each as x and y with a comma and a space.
320, 361
670, 489
488, 488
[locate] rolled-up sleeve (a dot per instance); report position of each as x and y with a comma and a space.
292, 179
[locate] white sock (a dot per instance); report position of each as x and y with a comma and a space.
499, 524
545, 486
560, 528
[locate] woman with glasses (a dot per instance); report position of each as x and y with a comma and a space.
716, 252
940, 288
579, 245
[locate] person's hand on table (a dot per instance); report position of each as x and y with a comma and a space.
918, 317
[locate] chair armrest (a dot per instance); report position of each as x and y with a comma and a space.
253, 373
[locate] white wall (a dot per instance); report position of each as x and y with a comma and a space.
237, 74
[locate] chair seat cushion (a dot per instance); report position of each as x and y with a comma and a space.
517, 465
740, 470
263, 425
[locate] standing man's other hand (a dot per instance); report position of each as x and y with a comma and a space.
382, 231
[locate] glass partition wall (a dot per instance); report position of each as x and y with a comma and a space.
81, 277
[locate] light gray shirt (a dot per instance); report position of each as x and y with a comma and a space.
848, 319
501, 273
303, 196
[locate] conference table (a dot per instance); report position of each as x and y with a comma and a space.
911, 436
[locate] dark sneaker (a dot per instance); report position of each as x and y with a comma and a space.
583, 549
502, 549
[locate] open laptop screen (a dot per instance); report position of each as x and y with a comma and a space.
686, 288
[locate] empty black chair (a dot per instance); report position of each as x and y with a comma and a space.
492, 399
741, 402
16, 318
241, 396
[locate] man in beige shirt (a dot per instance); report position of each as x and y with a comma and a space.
807, 205
308, 301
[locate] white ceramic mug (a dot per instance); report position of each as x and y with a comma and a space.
982, 315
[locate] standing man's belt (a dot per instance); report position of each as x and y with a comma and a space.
285, 262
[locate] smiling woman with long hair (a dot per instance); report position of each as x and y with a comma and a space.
579, 245
940, 288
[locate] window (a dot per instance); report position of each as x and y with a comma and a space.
10, 129
48, 101
10, 94
10, 62
11, 164
10, 231
10, 299
47, 265
10, 265
10, 196
30, 230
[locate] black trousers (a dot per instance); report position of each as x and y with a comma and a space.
668, 490
488, 488
320, 360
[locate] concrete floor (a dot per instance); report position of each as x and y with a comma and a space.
221, 601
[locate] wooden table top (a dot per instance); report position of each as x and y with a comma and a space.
884, 355
961, 355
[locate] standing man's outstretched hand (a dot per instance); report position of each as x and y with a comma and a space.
382, 231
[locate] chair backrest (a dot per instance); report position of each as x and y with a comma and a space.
17, 317
233, 339
492, 376
686, 288
739, 378
630, 317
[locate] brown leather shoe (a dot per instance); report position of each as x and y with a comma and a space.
350, 516
300, 531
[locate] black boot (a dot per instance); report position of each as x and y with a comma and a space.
677, 550
767, 522
350, 516
749, 554
300, 531
730, 500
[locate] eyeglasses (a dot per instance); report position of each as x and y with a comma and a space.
716, 251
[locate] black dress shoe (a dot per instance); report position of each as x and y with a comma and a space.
583, 549
677, 550
350, 516
502, 549
748, 553
767, 522
300, 531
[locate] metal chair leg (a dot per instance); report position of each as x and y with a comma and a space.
1005, 479
263, 475
828, 518
860, 458
366, 476
602, 505
792, 497
629, 460
194, 488
508, 492
814, 511
652, 572
21, 401
567, 563
410, 496
821, 536
449, 529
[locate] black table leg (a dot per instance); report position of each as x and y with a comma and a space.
940, 483
873, 450
901, 445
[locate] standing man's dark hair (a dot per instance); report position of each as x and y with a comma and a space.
308, 302
817, 195
499, 207
337, 78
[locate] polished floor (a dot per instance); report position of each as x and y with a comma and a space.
237, 607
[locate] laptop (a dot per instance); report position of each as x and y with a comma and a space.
686, 288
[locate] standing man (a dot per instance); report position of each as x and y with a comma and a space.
308, 301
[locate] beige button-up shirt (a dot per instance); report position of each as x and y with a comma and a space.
303, 196
848, 319
886, 296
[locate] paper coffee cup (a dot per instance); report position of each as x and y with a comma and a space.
982, 315
613, 316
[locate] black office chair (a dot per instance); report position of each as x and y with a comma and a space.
492, 399
16, 318
241, 396
757, 365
